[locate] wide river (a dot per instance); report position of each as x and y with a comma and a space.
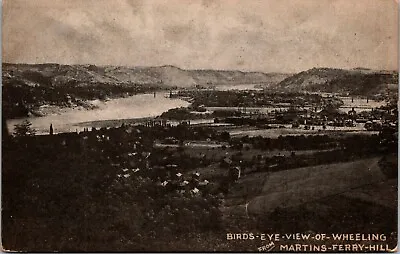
133, 107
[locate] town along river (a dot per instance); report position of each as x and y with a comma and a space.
113, 111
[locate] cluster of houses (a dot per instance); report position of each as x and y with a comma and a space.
327, 116
130, 153
190, 184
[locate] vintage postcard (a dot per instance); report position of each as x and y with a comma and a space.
199, 126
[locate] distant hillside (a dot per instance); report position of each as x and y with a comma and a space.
169, 76
28, 86
357, 81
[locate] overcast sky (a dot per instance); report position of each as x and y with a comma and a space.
269, 35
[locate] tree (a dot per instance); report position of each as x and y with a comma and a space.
225, 136
24, 129
51, 129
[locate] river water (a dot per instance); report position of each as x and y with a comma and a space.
132, 107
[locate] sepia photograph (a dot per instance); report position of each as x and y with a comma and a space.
199, 126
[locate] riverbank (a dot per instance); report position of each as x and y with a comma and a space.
135, 108
49, 109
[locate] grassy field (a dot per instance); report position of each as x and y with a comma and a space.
294, 187
343, 197
214, 152
337, 198
383, 193
275, 133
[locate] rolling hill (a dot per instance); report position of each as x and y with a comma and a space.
168, 76
358, 81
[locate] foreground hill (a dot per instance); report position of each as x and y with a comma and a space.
294, 187
359, 81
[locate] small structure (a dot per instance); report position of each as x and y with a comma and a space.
204, 183
196, 175
195, 191
184, 183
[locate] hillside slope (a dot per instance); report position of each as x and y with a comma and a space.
357, 81
297, 186
55, 74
